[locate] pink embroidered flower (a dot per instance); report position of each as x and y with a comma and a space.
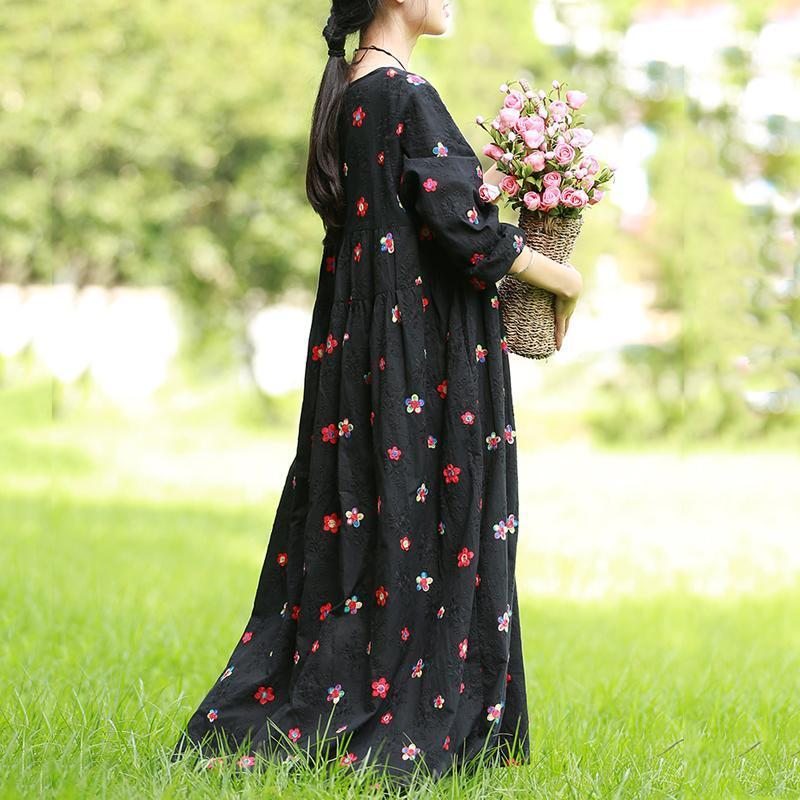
480, 353
396, 313
468, 417
446, 743
493, 441
387, 243
294, 734
331, 342
432, 441
415, 79
416, 670
422, 493
349, 758
335, 693
503, 620
394, 452
247, 636
451, 473
438, 701
464, 557
296, 656
477, 579
440, 150
440, 612
213, 713
511, 523
399, 128
264, 694
381, 157
509, 434
381, 595
359, 115
380, 688
354, 517
472, 216
246, 761
361, 207
463, 646
352, 604
461, 688
315, 646
410, 751
405, 543
387, 718
331, 522
382, 363
429, 185
504, 344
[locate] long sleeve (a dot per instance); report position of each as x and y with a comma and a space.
440, 184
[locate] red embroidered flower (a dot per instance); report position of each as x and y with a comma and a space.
380, 688
425, 232
461, 688
381, 595
451, 473
480, 353
330, 343
477, 258
295, 612
381, 157
282, 559
404, 634
478, 283
361, 207
399, 128
468, 417
462, 649
294, 734
315, 646
405, 543
331, 522
425, 303
357, 252
317, 351
330, 263
477, 579
386, 718
429, 185
464, 557
246, 761
442, 389
382, 363
264, 694
348, 759
394, 452
324, 610
247, 636
446, 744
330, 433
359, 115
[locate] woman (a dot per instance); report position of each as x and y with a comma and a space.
385, 627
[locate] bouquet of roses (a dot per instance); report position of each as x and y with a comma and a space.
538, 143
541, 169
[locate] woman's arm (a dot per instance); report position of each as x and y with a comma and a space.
561, 279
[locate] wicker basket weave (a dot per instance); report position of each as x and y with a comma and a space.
528, 311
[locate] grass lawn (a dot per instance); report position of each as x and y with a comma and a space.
130, 559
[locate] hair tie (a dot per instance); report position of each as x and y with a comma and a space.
336, 52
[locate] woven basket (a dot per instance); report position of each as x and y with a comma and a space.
528, 311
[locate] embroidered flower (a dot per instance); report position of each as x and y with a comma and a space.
464, 557
359, 115
345, 428
432, 441
352, 604
468, 417
282, 559
347, 759
410, 751
463, 646
387, 718
344, 168
511, 523
509, 434
381, 595
519, 242
247, 636
354, 517
294, 734
446, 743
414, 404
472, 216
495, 712
324, 610
331, 342
440, 612
441, 527
424, 582
504, 620
416, 670
404, 634
417, 80
396, 315
264, 694
335, 693
480, 353
422, 493
500, 530
315, 646
317, 351
492, 441
213, 713
387, 243
330, 264
330, 434
361, 207
405, 543
357, 250
246, 761
331, 522
442, 389
440, 150
438, 701
429, 185
394, 452
381, 157
399, 128
380, 688
451, 473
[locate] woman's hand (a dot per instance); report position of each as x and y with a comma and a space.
565, 304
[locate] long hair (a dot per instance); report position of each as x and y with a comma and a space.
323, 172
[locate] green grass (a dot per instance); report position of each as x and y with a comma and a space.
130, 559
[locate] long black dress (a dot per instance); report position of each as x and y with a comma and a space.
386, 611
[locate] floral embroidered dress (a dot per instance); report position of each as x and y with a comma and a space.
385, 621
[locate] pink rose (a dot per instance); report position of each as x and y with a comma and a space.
493, 151
564, 153
574, 198
533, 139
550, 197
509, 185
514, 99
508, 118
597, 196
535, 160
488, 192
581, 137
558, 110
575, 98
531, 200
529, 124
551, 179
589, 163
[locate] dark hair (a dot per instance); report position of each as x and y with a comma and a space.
323, 172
